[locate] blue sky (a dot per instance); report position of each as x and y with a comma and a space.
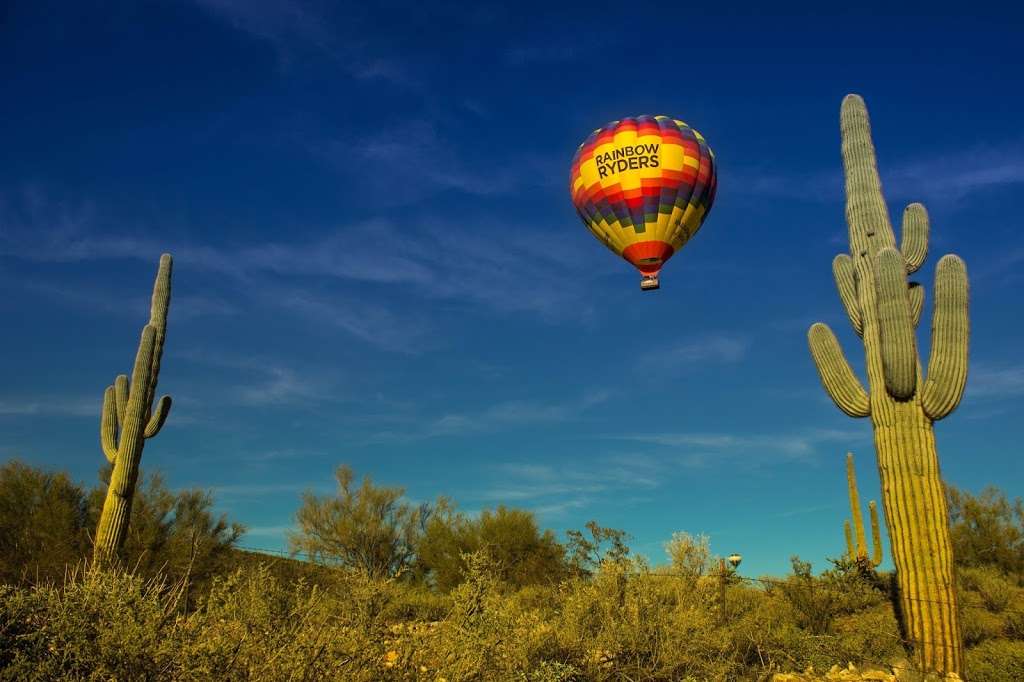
377, 261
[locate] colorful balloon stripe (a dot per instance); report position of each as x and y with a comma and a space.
644, 186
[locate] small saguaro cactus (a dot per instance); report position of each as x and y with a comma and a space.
884, 310
129, 417
858, 553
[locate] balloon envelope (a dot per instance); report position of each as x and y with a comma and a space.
643, 187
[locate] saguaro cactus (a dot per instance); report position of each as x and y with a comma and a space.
884, 310
128, 418
858, 553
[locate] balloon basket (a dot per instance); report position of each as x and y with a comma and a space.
649, 283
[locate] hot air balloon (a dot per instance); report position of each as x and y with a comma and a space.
643, 187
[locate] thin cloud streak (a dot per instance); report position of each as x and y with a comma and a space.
797, 445
702, 350
504, 415
987, 381
267, 382
940, 179
49, 406
552, 491
435, 261
414, 159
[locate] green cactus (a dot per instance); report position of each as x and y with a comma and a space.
858, 553
884, 310
128, 418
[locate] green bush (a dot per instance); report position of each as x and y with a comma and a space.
99, 625
996, 661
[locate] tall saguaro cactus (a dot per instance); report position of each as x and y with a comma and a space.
856, 544
129, 418
903, 404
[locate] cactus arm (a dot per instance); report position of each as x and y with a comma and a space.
916, 294
158, 320
858, 520
837, 377
842, 270
851, 553
121, 398
866, 213
947, 365
896, 328
876, 536
914, 241
108, 426
156, 421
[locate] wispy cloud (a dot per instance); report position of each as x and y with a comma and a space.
551, 53
375, 323
554, 490
50, 406
285, 25
282, 387
241, 490
771, 182
551, 49
86, 297
938, 179
413, 159
953, 177
701, 350
296, 28
269, 531
705, 446
991, 381
263, 381
431, 259
503, 415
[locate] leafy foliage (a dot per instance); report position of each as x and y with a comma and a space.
586, 554
175, 535
987, 529
44, 524
607, 615
366, 528
522, 554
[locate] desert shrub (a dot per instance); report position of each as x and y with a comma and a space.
988, 587
627, 622
46, 521
543, 598
987, 529
415, 602
98, 625
252, 627
689, 556
489, 634
996, 661
366, 528
871, 636
472, 643
763, 633
818, 600
44, 524
522, 553
991, 605
586, 552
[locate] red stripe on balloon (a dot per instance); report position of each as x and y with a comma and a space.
655, 253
